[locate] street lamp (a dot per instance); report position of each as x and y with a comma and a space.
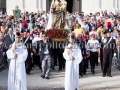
16, 12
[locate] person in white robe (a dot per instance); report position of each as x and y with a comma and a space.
73, 57
17, 53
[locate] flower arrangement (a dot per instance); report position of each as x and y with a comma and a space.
57, 34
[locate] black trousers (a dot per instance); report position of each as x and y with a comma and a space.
57, 55
28, 63
101, 58
85, 66
107, 61
87, 62
36, 60
61, 60
54, 58
93, 59
81, 66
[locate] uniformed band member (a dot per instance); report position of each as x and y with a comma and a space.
28, 43
109, 51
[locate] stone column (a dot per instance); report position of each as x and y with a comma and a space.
23, 6
40, 5
0, 4
77, 9
45, 5
73, 6
80, 5
118, 5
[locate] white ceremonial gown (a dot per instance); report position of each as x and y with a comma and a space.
17, 73
72, 68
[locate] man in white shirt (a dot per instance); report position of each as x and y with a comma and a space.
85, 26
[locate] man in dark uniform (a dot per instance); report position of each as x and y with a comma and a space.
101, 50
109, 51
28, 43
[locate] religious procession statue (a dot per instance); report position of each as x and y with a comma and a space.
58, 11
57, 23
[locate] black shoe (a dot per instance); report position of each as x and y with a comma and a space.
40, 68
47, 78
103, 75
93, 72
109, 75
81, 75
53, 68
84, 73
42, 76
33, 66
28, 72
87, 67
96, 64
59, 69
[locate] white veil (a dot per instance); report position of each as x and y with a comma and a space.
49, 25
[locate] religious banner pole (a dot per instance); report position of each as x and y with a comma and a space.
16, 13
15, 69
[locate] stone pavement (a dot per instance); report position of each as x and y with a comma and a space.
56, 81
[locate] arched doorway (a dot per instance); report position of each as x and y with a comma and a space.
69, 5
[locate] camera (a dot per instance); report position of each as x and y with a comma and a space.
28, 21
33, 21
20, 21
9, 26
32, 16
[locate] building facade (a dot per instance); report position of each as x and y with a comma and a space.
87, 6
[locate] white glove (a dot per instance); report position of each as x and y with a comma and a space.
31, 54
115, 54
104, 40
30, 38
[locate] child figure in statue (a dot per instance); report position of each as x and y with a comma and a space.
64, 5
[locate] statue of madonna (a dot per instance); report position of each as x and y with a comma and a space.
58, 10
